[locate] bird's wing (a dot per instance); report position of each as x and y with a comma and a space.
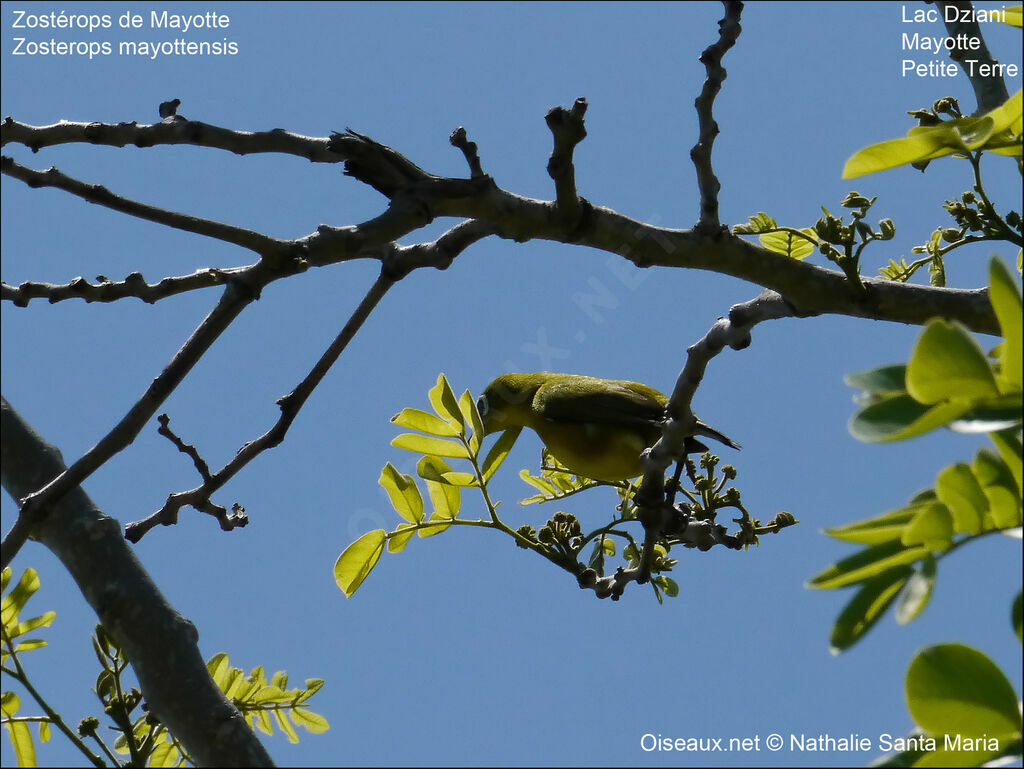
596, 400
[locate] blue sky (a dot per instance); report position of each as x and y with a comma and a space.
463, 649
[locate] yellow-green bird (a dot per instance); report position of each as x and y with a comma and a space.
596, 427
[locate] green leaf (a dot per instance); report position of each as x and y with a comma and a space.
441, 447
902, 417
499, 451
865, 564
932, 526
164, 754
992, 415
313, 722
788, 244
959, 490
445, 497
438, 523
15, 600
916, 592
898, 152
286, 726
954, 689
874, 531
866, 607
947, 363
400, 537
18, 731
1005, 296
1008, 442
402, 491
884, 380
43, 620
669, 585
1004, 500
446, 405
472, 416
425, 422
760, 222
1015, 617
353, 565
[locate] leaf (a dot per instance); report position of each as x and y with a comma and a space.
445, 404
1004, 500
441, 447
902, 417
445, 497
932, 526
499, 451
866, 607
43, 620
898, 152
1005, 296
882, 380
1016, 617
313, 722
15, 600
959, 490
359, 558
18, 731
916, 592
788, 244
954, 689
947, 363
164, 754
425, 422
400, 537
874, 531
402, 491
865, 564
471, 415
760, 222
438, 523
1008, 442
286, 726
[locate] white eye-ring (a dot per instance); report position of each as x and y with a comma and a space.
481, 405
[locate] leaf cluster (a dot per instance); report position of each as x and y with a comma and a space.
141, 735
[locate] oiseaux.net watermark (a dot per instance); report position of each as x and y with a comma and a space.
816, 743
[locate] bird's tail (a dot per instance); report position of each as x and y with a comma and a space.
710, 432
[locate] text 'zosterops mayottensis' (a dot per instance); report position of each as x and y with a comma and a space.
596, 427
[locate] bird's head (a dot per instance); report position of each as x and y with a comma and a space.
506, 401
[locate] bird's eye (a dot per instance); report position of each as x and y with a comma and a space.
481, 405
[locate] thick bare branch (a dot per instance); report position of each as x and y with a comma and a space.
417, 197
160, 643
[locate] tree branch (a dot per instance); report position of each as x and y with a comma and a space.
396, 265
707, 183
990, 89
417, 197
160, 643
37, 504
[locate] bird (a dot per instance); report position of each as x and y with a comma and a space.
597, 428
